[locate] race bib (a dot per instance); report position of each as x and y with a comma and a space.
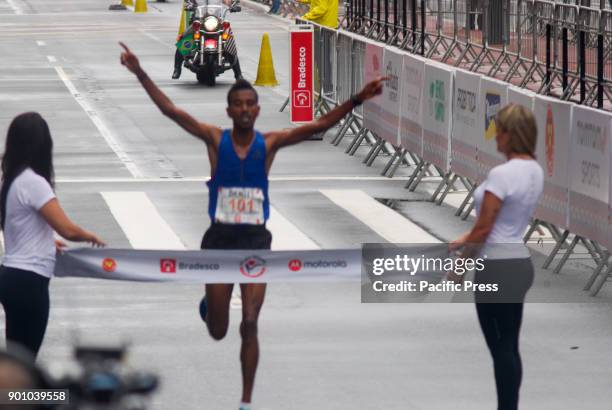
240, 206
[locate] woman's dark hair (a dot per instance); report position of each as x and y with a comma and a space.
28, 145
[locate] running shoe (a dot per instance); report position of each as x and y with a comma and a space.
203, 308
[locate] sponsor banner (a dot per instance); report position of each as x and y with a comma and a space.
589, 173
437, 115
520, 96
554, 119
411, 120
493, 97
374, 55
466, 124
211, 266
388, 127
609, 242
301, 53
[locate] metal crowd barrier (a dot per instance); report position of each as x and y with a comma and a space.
563, 31
556, 48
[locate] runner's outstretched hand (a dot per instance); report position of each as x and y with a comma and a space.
130, 60
372, 89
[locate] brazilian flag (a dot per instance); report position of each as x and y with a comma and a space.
186, 43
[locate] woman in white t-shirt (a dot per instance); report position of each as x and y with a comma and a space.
30, 213
505, 202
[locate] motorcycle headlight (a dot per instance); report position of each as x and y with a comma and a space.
211, 23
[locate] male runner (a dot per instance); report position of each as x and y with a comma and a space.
240, 159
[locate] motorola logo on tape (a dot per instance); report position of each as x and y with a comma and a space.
296, 265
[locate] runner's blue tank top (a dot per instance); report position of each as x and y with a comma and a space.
231, 171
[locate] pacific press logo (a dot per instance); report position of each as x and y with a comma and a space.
253, 266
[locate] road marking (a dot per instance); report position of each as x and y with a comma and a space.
40, 43
102, 128
142, 224
286, 236
14, 6
157, 39
206, 178
387, 223
52, 59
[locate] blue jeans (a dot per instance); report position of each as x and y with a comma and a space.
275, 6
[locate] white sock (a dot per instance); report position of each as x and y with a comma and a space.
245, 406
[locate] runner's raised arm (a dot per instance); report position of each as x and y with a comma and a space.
205, 132
295, 135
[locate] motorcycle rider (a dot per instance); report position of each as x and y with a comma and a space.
230, 45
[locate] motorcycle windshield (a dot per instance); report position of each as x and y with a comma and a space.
215, 8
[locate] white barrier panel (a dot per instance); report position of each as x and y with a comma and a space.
466, 124
493, 97
554, 120
522, 97
374, 55
411, 129
437, 115
388, 126
211, 266
608, 244
589, 173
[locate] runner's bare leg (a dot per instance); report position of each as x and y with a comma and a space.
218, 301
252, 300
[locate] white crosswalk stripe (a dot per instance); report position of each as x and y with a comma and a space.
140, 221
389, 224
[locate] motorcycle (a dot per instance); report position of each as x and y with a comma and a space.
204, 44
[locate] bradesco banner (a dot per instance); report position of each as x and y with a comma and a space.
411, 120
554, 119
388, 127
301, 73
466, 124
589, 173
493, 97
372, 69
437, 115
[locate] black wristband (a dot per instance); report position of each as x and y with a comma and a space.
356, 101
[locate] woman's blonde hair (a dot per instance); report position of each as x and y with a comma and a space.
520, 124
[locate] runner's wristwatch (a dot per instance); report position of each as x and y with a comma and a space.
356, 101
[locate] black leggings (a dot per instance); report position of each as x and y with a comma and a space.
501, 325
25, 298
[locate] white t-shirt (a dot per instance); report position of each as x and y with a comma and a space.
519, 184
28, 239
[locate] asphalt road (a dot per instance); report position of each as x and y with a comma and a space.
321, 348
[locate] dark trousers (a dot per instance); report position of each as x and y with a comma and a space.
222, 236
25, 298
501, 324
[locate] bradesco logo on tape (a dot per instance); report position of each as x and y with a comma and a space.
301, 76
296, 265
171, 266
